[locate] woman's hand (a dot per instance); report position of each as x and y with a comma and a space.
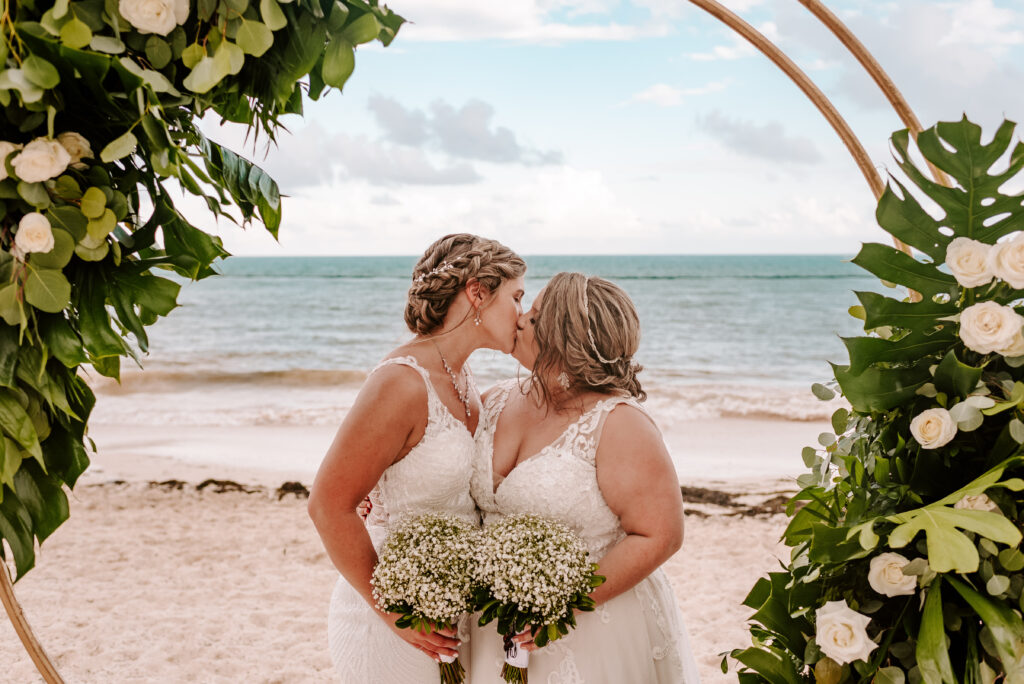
364, 508
438, 643
525, 641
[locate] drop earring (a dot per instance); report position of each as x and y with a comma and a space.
563, 380
476, 320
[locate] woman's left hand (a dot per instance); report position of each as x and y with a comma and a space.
525, 641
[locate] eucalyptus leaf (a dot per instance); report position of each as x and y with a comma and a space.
272, 15
40, 72
254, 37
76, 34
47, 290
122, 146
60, 255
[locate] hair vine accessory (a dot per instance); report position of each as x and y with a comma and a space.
445, 266
590, 335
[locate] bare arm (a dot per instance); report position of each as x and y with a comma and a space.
388, 417
640, 485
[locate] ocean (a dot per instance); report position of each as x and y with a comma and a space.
289, 340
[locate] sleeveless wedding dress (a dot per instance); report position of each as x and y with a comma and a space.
432, 478
637, 637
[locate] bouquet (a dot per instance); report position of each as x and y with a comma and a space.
531, 572
425, 573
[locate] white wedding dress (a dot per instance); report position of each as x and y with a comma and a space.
637, 637
432, 478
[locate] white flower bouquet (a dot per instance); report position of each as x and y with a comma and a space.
531, 572
425, 572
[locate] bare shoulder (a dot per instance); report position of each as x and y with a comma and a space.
631, 422
397, 387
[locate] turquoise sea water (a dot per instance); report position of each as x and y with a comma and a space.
290, 339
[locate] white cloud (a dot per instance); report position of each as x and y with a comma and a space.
768, 141
664, 95
737, 47
979, 22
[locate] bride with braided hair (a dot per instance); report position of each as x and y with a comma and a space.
408, 444
573, 443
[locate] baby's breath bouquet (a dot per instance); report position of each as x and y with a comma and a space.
531, 572
425, 572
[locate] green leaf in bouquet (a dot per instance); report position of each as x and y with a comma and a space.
8, 354
972, 209
35, 194
773, 664
107, 44
208, 72
822, 392
893, 265
92, 251
272, 15
67, 188
191, 55
75, 34
956, 378
1004, 625
337, 18
61, 340
40, 72
866, 351
122, 146
16, 529
158, 52
60, 255
361, 30
882, 311
11, 309
101, 226
254, 37
948, 547
47, 290
1014, 400
16, 423
878, 389
339, 63
932, 653
43, 498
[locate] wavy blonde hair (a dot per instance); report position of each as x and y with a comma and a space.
444, 270
587, 328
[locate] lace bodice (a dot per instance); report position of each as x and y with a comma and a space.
560, 481
434, 476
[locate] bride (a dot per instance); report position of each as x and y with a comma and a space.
408, 443
574, 444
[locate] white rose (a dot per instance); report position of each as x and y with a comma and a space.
6, 149
968, 260
154, 16
41, 160
885, 575
34, 234
1006, 261
989, 327
842, 633
933, 428
978, 502
77, 146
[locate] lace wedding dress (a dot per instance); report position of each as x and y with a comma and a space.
637, 637
432, 478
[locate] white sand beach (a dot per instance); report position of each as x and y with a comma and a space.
167, 583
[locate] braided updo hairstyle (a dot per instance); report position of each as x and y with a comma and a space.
587, 328
444, 270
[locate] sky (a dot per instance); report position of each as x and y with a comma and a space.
612, 127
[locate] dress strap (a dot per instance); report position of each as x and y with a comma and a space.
435, 408
496, 400
595, 418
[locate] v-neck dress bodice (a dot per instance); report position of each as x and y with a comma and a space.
637, 636
433, 477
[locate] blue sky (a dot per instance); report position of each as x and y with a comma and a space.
600, 126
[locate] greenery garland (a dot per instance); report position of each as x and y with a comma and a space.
101, 101
906, 561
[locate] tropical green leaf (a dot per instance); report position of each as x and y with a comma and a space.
16, 423
948, 548
339, 63
956, 378
1005, 625
43, 497
884, 311
932, 654
867, 351
880, 389
894, 266
16, 530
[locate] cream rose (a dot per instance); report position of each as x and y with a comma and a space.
885, 575
990, 327
968, 260
933, 428
977, 502
154, 16
842, 633
1006, 261
6, 148
77, 146
34, 234
41, 160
